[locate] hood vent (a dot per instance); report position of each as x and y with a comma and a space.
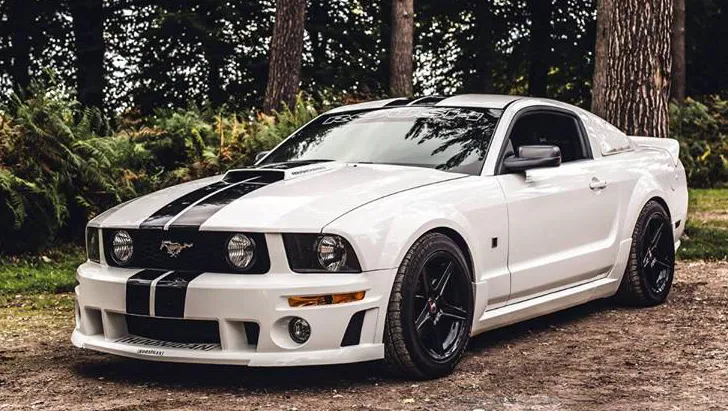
277, 172
260, 175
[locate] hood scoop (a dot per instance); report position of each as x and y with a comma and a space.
278, 172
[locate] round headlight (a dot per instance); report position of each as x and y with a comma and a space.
241, 251
123, 247
331, 252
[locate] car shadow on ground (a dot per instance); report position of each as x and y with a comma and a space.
174, 375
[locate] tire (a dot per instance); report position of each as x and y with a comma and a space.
418, 343
651, 267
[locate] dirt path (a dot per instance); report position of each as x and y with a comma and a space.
592, 357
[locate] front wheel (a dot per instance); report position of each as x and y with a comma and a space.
430, 310
651, 266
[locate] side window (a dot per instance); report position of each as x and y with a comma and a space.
552, 129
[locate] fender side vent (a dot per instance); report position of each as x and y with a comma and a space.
352, 336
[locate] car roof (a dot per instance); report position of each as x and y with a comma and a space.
495, 101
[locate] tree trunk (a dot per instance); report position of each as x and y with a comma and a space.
482, 80
539, 46
20, 18
401, 50
632, 72
286, 49
385, 43
88, 30
215, 51
678, 52
599, 82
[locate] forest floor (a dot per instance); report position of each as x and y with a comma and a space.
594, 357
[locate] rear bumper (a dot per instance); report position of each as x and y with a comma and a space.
231, 301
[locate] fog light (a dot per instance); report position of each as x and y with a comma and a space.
299, 329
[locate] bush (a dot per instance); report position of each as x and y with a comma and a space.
61, 164
702, 129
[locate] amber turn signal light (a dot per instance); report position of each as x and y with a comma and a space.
304, 301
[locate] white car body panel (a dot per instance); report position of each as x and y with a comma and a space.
309, 202
538, 242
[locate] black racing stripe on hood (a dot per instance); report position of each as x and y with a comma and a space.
138, 291
165, 214
197, 215
170, 294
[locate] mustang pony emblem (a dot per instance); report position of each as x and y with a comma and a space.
173, 249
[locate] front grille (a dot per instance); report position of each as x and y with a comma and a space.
173, 330
207, 252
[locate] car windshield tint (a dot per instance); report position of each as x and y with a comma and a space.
445, 138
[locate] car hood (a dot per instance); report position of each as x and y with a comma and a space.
304, 198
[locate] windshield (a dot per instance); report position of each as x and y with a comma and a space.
444, 138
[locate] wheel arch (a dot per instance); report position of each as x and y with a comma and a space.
662, 202
462, 244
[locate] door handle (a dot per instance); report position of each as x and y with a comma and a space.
597, 184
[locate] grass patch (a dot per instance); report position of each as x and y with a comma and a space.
52, 272
704, 241
708, 200
706, 233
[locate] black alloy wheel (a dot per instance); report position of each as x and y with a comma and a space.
651, 267
657, 253
430, 309
441, 306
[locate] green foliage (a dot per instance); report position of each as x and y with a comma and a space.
702, 129
61, 164
52, 272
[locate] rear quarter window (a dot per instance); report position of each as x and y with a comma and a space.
610, 139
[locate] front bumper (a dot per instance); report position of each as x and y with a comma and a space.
232, 301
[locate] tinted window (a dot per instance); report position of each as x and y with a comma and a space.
449, 139
551, 129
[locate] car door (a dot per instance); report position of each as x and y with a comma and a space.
562, 220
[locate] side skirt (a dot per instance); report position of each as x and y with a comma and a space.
546, 304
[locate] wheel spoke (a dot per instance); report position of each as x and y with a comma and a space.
665, 264
646, 260
456, 313
423, 322
656, 237
444, 279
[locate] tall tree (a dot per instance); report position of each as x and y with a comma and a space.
540, 12
88, 31
632, 74
214, 47
286, 49
481, 81
401, 50
20, 19
678, 52
385, 41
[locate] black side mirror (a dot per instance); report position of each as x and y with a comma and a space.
260, 155
533, 157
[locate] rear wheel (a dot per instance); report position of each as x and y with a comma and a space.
651, 267
430, 310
